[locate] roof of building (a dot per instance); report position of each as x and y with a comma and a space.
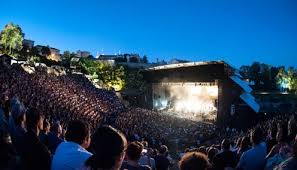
243, 84
190, 64
250, 101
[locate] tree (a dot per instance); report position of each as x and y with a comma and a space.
134, 80
66, 55
12, 38
144, 59
254, 74
265, 76
282, 79
273, 73
244, 71
110, 77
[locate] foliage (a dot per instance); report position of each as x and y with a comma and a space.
66, 58
287, 79
144, 59
110, 77
11, 38
134, 80
261, 75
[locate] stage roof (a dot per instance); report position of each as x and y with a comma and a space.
243, 84
190, 64
250, 100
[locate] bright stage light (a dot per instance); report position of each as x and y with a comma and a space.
194, 102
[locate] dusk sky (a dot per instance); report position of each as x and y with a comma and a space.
237, 31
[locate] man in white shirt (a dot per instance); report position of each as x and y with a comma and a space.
72, 154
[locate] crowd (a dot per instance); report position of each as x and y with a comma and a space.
139, 124
61, 98
56, 122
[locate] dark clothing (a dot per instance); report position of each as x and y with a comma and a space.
289, 164
17, 136
8, 159
162, 163
53, 142
34, 154
224, 159
125, 166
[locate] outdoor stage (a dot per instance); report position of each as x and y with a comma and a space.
200, 91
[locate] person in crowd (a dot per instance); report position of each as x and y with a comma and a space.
4, 114
226, 158
17, 124
162, 162
290, 163
282, 150
211, 153
282, 140
72, 153
108, 146
271, 138
8, 155
54, 137
147, 158
254, 158
194, 161
292, 130
244, 146
43, 136
34, 154
133, 154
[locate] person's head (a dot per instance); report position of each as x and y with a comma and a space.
150, 152
202, 149
34, 119
194, 161
108, 146
57, 129
256, 136
79, 133
211, 153
5, 137
46, 126
8, 153
6, 108
225, 144
163, 150
145, 144
134, 150
18, 113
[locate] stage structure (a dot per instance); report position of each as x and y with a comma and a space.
200, 91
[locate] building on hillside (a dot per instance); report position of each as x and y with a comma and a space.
133, 58
83, 54
54, 53
28, 43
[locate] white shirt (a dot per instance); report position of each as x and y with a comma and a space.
69, 156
